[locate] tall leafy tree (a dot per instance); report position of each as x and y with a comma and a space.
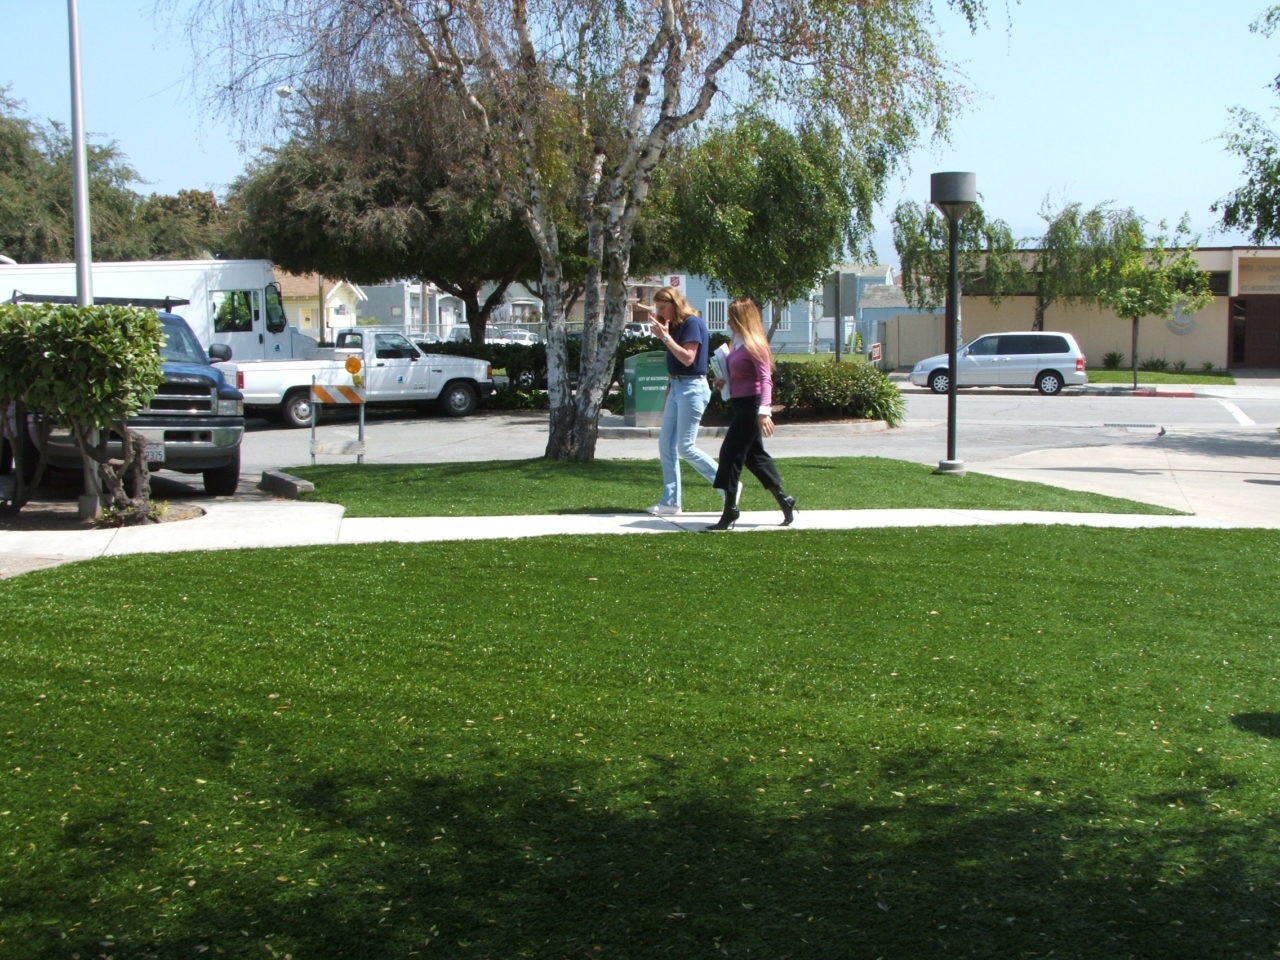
1255, 206
36, 218
575, 103
989, 262
1143, 277
1063, 262
765, 211
1064, 265
376, 184
26, 227
190, 223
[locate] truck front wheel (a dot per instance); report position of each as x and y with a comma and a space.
223, 481
458, 399
296, 408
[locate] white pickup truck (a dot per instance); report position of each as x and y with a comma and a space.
395, 371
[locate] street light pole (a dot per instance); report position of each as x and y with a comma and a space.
80, 166
953, 194
91, 500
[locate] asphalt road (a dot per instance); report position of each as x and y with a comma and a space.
990, 425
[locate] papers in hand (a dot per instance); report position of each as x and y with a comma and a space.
720, 369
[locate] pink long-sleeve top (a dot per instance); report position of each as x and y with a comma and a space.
748, 377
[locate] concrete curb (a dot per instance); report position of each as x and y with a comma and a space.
282, 484
1115, 391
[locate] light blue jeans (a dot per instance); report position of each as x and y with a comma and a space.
681, 416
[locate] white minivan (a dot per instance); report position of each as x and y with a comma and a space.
1047, 361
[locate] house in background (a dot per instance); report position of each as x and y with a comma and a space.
805, 326
844, 294
317, 305
415, 307
880, 308
421, 309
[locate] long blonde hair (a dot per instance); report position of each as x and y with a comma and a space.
745, 321
683, 309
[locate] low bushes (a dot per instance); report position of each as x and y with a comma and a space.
852, 389
526, 364
848, 389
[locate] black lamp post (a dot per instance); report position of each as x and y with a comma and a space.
953, 194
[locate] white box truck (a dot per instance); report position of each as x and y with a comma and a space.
236, 302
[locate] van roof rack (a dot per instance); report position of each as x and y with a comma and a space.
151, 303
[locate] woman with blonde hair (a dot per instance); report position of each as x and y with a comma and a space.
687, 340
750, 372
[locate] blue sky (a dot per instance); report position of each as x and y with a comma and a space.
1120, 101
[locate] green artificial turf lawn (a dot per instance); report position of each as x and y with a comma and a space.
1125, 377
520, 487
977, 742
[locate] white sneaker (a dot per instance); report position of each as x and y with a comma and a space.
663, 510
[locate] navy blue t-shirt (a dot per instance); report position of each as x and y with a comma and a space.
693, 328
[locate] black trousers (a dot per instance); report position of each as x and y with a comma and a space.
744, 447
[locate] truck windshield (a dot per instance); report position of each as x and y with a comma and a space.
180, 343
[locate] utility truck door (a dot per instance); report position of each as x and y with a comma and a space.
396, 367
253, 323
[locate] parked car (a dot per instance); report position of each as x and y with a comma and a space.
1047, 361
526, 337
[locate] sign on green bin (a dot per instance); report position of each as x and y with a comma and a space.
644, 388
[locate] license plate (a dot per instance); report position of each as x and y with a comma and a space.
155, 453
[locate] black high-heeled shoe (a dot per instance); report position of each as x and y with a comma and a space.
726, 521
788, 505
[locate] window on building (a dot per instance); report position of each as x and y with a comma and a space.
784, 324
716, 315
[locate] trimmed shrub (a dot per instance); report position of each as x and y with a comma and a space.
1113, 361
516, 399
849, 389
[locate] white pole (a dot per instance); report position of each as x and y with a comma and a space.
80, 167
91, 501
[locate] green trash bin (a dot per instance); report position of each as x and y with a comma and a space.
644, 388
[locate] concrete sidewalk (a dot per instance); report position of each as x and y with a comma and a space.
273, 522
1220, 492
1221, 480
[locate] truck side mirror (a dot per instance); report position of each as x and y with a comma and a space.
219, 352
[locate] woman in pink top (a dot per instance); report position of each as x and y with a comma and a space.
750, 372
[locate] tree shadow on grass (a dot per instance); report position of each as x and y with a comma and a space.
1263, 724
537, 860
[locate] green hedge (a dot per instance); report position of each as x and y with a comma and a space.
520, 358
849, 389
